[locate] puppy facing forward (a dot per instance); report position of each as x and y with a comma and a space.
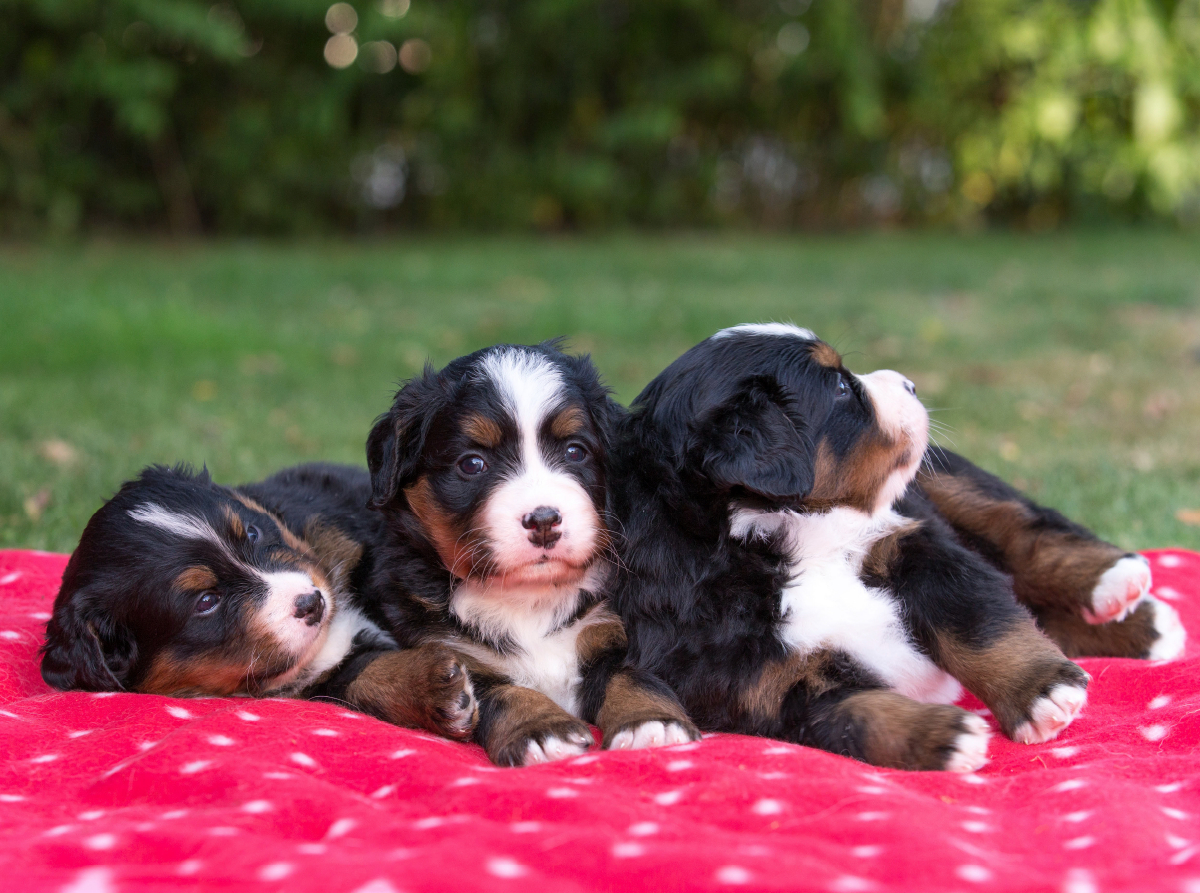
180, 586
491, 476
783, 575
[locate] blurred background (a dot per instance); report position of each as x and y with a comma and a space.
228, 230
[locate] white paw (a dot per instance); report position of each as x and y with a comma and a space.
1171, 634
650, 734
1120, 588
1051, 714
970, 748
552, 749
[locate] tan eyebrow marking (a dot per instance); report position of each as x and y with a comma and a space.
235, 523
570, 421
483, 431
196, 579
826, 355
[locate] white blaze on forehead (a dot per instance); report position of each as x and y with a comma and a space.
767, 328
529, 385
532, 388
186, 526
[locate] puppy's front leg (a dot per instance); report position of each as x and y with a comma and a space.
638, 710
427, 687
632, 707
520, 727
964, 614
824, 699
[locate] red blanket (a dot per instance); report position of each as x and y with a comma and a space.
138, 792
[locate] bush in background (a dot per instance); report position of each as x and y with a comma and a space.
297, 116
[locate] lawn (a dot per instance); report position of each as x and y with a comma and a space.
1069, 364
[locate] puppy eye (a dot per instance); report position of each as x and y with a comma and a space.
253, 534
575, 453
472, 465
207, 603
843, 386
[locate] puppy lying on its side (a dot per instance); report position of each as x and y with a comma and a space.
180, 586
782, 572
492, 477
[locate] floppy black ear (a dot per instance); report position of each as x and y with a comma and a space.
756, 442
395, 443
86, 650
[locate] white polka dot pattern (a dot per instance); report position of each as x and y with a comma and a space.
125, 792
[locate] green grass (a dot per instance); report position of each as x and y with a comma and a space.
1069, 364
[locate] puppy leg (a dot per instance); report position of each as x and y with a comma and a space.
1152, 631
520, 727
826, 700
640, 711
1055, 564
963, 614
427, 687
884, 728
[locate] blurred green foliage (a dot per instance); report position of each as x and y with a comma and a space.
234, 117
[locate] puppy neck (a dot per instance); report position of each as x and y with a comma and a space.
518, 616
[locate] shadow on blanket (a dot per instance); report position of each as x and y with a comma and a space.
121, 792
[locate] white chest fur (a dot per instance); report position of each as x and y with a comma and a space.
543, 653
826, 605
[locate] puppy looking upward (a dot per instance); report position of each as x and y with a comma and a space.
781, 572
492, 477
180, 586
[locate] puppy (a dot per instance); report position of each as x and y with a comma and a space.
784, 577
492, 478
180, 586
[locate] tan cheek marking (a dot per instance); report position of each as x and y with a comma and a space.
826, 355
196, 579
567, 423
483, 431
204, 675
439, 527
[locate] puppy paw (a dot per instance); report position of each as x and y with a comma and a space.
545, 740
1120, 588
1171, 634
552, 748
653, 734
1049, 715
969, 751
452, 696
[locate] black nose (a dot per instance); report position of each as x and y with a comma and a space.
310, 608
541, 523
910, 387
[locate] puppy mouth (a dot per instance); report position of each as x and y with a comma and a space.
546, 569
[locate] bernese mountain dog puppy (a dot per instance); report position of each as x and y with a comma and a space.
491, 475
180, 586
784, 575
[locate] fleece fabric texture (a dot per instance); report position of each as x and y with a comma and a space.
127, 792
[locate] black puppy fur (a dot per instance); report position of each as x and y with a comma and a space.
784, 578
180, 586
491, 475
